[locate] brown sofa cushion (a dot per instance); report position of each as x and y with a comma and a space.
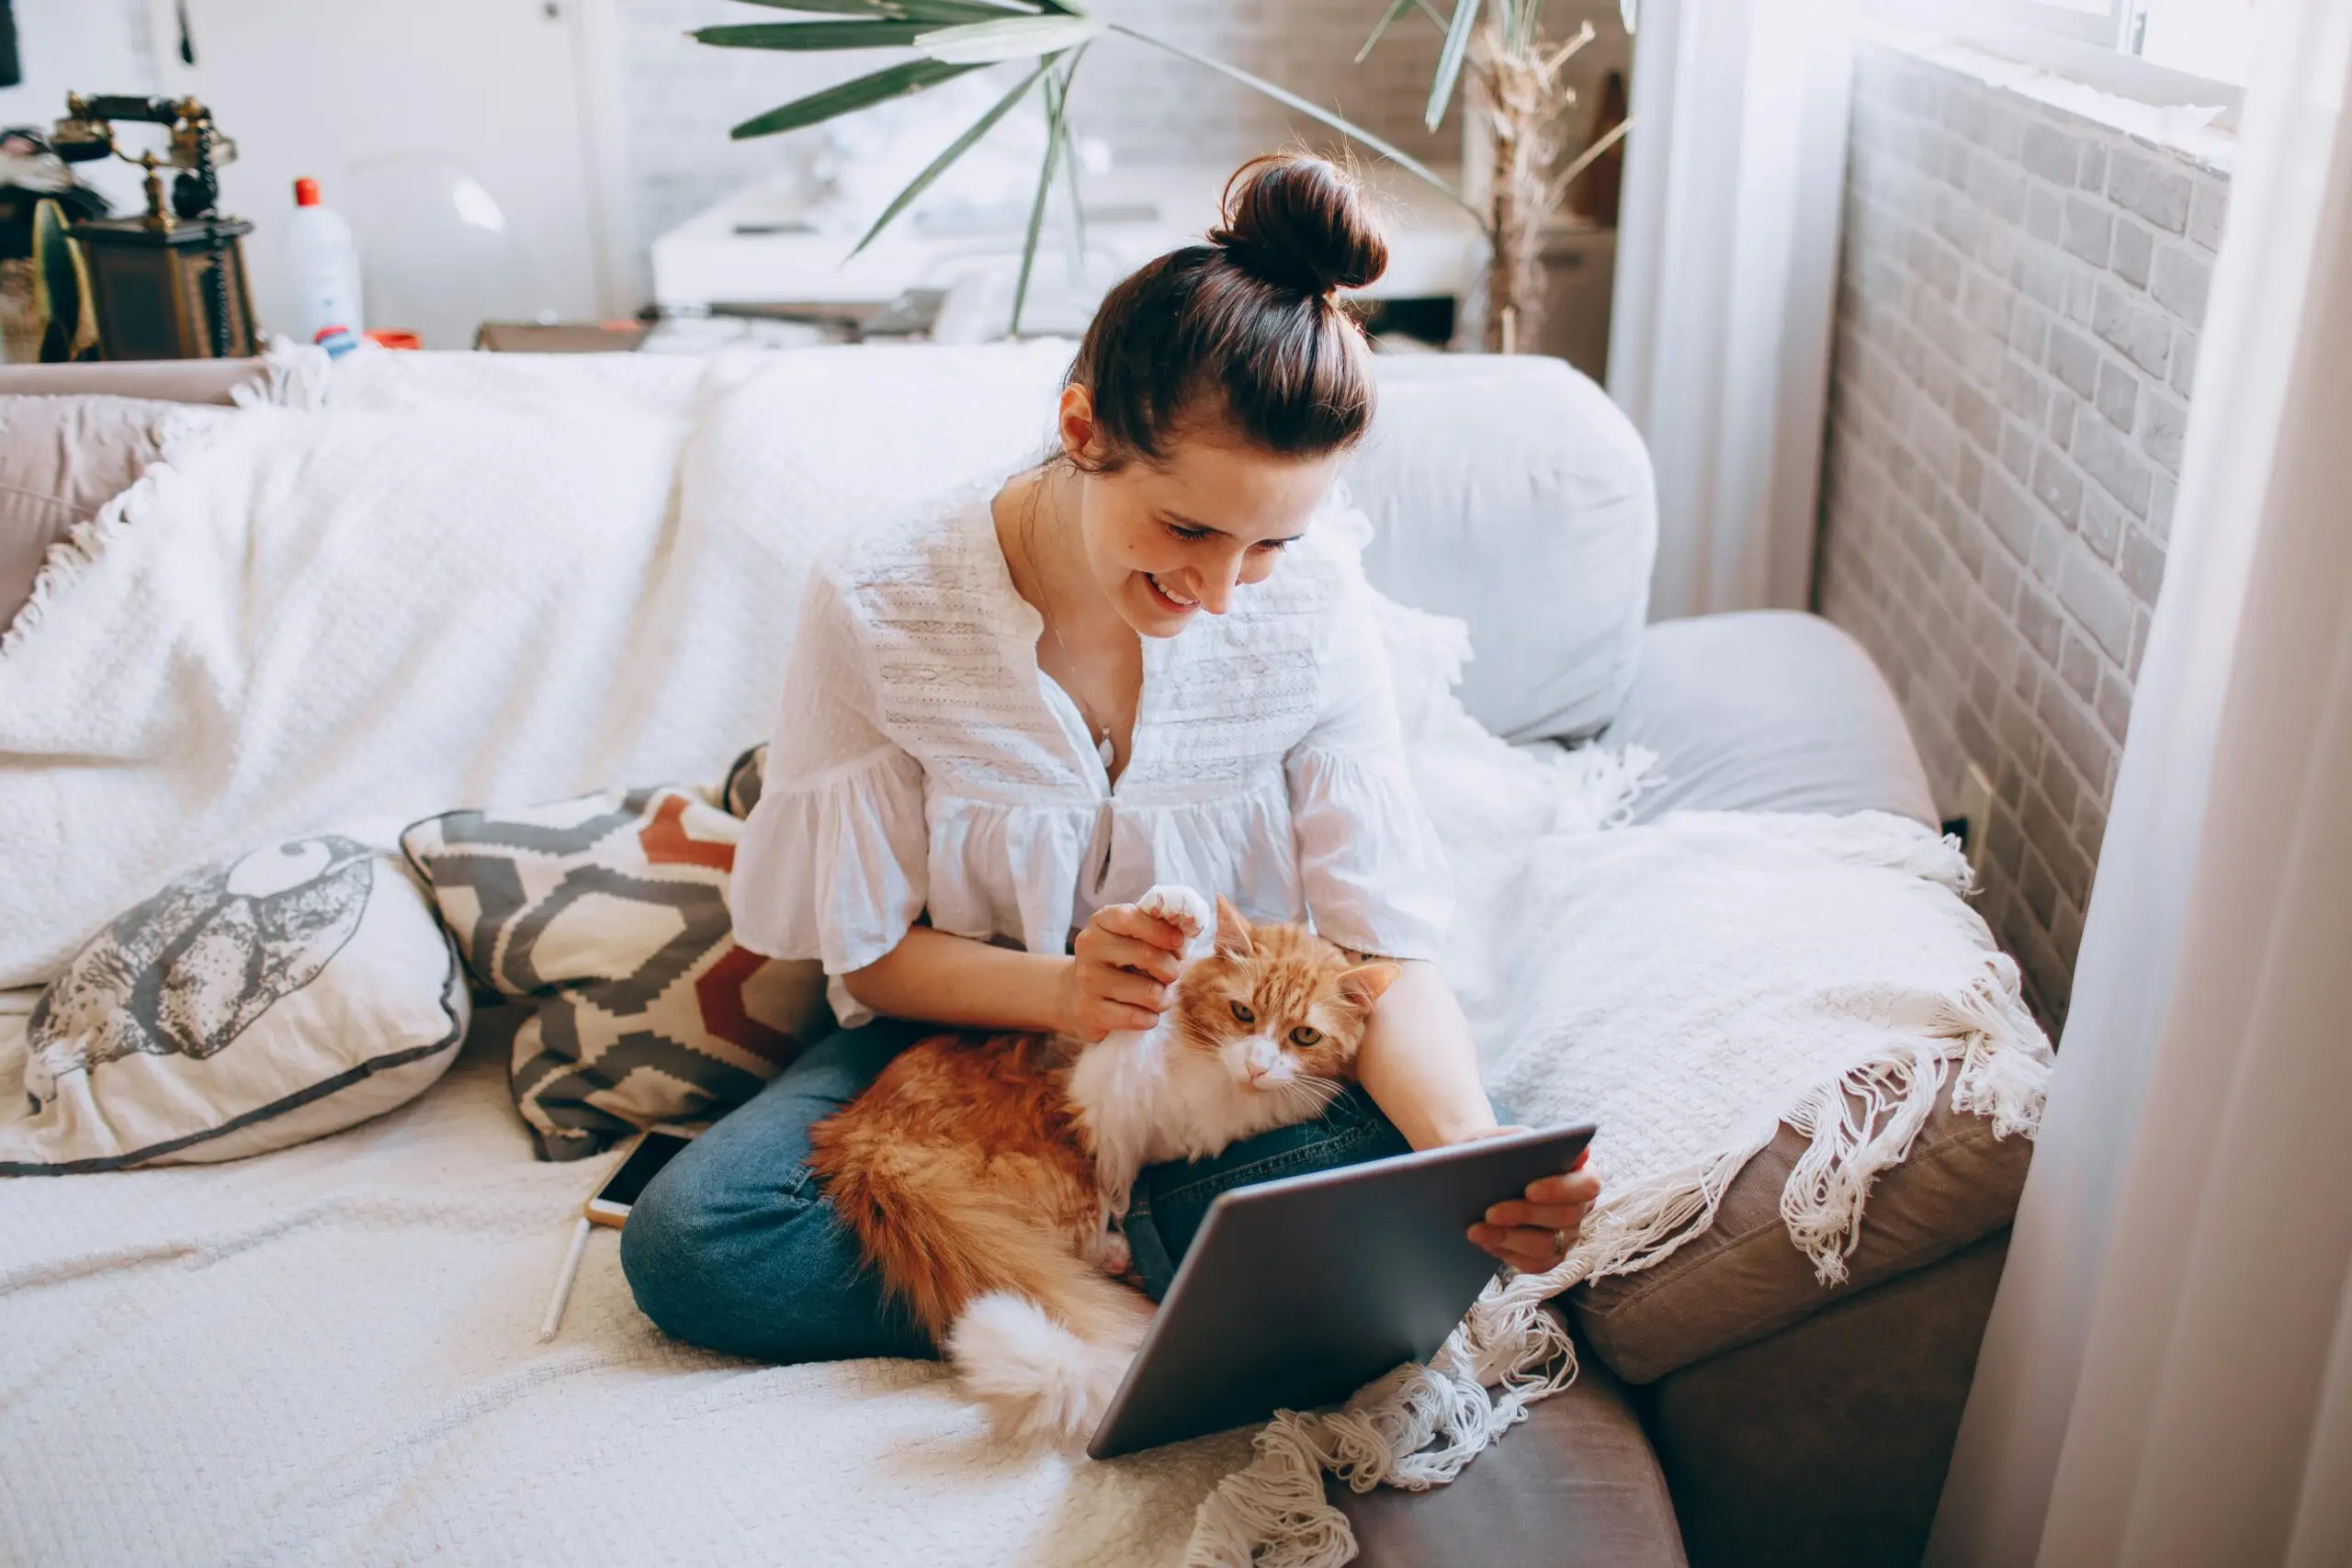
1743, 1279
1574, 1486
1825, 1446
60, 459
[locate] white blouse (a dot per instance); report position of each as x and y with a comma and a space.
922, 762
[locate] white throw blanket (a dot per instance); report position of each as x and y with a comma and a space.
480, 583
332, 1344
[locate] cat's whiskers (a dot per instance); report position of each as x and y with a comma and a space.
1313, 1094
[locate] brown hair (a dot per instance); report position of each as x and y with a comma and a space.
1245, 331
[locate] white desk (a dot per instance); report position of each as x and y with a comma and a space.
756, 247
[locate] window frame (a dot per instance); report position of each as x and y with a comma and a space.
2080, 46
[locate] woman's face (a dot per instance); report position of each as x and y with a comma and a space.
1170, 539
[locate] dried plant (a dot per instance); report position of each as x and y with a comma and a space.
1522, 91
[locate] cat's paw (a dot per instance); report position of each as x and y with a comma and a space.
1180, 906
1111, 1253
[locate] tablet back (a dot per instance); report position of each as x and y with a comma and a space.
1298, 1293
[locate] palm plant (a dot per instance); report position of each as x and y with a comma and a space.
952, 38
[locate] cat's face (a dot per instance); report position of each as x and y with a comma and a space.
1281, 1009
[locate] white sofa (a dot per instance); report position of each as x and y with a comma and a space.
219, 1364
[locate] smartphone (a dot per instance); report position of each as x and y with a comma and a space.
654, 1149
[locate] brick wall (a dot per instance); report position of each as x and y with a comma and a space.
2015, 350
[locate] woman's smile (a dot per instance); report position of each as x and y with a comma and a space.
1167, 598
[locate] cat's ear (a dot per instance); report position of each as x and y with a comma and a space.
1363, 986
1233, 932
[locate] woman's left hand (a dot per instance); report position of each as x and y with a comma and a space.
1533, 1232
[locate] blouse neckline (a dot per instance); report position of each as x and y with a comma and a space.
1020, 627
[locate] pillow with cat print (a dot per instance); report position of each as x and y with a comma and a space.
251, 1004
606, 919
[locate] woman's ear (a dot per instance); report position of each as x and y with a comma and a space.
1076, 423
1233, 933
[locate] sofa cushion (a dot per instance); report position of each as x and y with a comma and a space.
1768, 710
1825, 1445
1740, 1280
247, 1006
608, 916
1509, 492
60, 459
1575, 1486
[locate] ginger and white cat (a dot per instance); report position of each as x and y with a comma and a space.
985, 1176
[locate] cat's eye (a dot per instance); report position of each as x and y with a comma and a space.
1241, 1013
1303, 1037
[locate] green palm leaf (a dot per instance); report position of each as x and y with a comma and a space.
1315, 111
1387, 18
813, 35
956, 150
1449, 59
990, 42
1054, 100
939, 13
846, 97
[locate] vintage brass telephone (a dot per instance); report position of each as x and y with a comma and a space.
168, 284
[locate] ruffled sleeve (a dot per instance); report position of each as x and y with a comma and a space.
1370, 863
832, 862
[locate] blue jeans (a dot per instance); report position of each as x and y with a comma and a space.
735, 1247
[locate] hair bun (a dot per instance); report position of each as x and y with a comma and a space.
1300, 222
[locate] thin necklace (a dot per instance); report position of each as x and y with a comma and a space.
1100, 733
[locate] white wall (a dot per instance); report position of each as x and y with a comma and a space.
84, 46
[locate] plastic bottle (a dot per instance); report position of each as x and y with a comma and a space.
326, 271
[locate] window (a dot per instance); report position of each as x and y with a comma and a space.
2164, 52
2202, 37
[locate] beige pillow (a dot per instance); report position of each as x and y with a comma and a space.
61, 460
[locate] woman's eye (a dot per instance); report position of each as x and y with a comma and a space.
1303, 1037
1190, 535
1241, 1014
1271, 547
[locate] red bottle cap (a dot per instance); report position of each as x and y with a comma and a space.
306, 192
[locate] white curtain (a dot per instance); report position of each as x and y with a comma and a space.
2168, 1374
1726, 287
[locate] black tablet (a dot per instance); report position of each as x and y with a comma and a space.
1299, 1292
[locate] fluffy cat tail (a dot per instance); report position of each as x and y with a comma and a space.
1039, 1335
1038, 1380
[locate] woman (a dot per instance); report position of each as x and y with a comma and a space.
1139, 662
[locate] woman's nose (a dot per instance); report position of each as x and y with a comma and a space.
1214, 584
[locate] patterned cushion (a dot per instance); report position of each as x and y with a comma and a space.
743, 780
251, 1004
607, 916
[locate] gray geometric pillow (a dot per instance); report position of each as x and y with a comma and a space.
744, 781
609, 917
249, 1005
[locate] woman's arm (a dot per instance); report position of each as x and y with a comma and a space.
1116, 977
1419, 1066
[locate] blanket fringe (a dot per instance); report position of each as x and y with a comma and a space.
1420, 1425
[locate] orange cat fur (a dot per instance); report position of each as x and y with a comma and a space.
982, 1175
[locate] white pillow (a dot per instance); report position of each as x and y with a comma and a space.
251, 1004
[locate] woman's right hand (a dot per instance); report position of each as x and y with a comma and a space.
1120, 970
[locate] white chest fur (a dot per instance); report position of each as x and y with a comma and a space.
1143, 1097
